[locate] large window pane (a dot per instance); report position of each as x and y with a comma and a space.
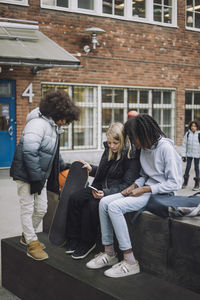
118, 96
106, 116
167, 116
157, 13
143, 97
132, 96
188, 98
156, 97
197, 20
83, 94
119, 7
107, 6
157, 115
107, 95
62, 3
112, 95
138, 9
197, 114
167, 131
83, 129
197, 98
86, 4
188, 116
167, 15
167, 97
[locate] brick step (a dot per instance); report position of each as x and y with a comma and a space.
60, 277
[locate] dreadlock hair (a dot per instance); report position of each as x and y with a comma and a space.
115, 132
59, 106
194, 122
144, 128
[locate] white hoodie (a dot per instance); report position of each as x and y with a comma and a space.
161, 168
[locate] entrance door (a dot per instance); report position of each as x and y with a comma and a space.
7, 122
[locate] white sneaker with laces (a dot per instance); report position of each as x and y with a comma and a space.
102, 260
122, 269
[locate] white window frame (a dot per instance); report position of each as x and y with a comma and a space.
192, 106
187, 27
98, 11
22, 3
98, 105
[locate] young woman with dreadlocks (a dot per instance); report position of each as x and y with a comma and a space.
160, 174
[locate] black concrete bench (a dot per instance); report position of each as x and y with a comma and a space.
167, 248
62, 278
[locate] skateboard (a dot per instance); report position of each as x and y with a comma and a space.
76, 180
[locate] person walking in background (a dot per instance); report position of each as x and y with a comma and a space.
115, 172
160, 174
190, 151
37, 159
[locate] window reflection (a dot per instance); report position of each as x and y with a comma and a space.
139, 9
162, 11
115, 7
86, 4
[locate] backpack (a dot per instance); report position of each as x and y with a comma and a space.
168, 205
198, 136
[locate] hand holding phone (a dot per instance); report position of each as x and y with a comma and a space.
93, 188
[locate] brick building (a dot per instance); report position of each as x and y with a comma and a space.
146, 59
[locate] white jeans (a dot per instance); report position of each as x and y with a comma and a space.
111, 212
32, 209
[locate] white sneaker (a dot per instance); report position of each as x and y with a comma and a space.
102, 260
122, 269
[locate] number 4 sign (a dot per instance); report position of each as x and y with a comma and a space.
29, 93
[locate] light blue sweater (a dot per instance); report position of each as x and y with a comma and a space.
161, 168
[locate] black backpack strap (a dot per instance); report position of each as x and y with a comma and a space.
194, 194
137, 213
199, 137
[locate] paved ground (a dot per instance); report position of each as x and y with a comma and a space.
9, 213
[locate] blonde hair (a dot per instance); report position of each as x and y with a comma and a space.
116, 132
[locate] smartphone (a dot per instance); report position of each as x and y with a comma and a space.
93, 188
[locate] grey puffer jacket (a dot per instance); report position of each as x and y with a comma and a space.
36, 150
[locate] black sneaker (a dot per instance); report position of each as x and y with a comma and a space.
71, 246
82, 251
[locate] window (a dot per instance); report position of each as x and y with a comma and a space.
159, 104
163, 111
193, 13
139, 8
81, 134
192, 106
102, 105
162, 11
56, 3
86, 4
113, 103
113, 7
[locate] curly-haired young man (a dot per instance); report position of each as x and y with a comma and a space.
37, 160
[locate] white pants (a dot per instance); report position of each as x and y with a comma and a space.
32, 209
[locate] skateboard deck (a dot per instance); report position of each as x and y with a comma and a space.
76, 180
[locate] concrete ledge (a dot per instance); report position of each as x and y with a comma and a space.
168, 248
61, 277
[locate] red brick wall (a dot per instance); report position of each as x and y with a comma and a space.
134, 54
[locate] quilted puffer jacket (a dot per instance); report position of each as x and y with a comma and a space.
35, 152
115, 175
